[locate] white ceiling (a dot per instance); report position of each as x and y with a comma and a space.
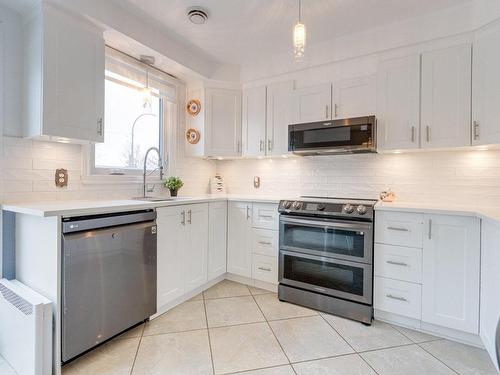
239, 31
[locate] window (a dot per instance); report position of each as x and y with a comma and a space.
136, 97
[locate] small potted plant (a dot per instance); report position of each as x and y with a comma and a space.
173, 184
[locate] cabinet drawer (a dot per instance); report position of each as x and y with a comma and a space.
265, 242
399, 228
265, 268
396, 262
265, 216
398, 297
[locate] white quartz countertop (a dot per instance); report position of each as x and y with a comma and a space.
91, 207
482, 212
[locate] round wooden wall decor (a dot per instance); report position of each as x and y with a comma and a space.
192, 136
193, 107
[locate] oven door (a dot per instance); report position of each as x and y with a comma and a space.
347, 280
341, 239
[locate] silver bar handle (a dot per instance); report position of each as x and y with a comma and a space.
261, 145
396, 298
403, 264
476, 130
336, 109
183, 217
248, 212
398, 229
265, 243
428, 133
238, 147
326, 111
269, 145
430, 229
189, 217
99, 126
265, 269
413, 134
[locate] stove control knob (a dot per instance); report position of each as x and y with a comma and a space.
361, 209
321, 207
348, 208
296, 205
287, 204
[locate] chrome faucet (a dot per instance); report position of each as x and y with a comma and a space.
160, 168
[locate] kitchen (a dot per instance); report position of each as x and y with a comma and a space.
217, 287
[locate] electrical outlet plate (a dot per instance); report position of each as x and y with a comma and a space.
61, 177
256, 182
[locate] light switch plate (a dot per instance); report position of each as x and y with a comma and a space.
61, 177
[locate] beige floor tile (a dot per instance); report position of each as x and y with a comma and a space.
308, 338
416, 336
279, 370
197, 297
232, 310
257, 291
182, 353
113, 358
274, 309
226, 288
184, 317
5, 368
132, 333
351, 364
405, 360
245, 347
377, 336
465, 359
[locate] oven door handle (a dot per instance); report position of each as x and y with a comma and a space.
327, 224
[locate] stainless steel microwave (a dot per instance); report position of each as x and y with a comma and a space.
351, 135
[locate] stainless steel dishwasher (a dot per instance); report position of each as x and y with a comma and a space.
108, 277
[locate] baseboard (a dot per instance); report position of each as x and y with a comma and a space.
252, 282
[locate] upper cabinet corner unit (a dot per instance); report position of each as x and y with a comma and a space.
219, 122
63, 77
424, 101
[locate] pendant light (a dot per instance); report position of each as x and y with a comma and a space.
147, 95
299, 38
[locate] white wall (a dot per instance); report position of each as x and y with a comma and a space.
462, 177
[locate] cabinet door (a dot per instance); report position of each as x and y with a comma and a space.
313, 103
446, 97
398, 103
223, 122
73, 77
354, 97
451, 255
486, 88
279, 116
196, 251
254, 121
217, 232
239, 239
170, 252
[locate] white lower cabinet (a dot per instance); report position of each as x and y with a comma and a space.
436, 280
265, 268
451, 272
217, 235
182, 250
239, 238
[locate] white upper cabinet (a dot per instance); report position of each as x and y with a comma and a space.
222, 122
354, 97
313, 103
486, 88
279, 116
64, 71
451, 272
398, 103
446, 97
254, 121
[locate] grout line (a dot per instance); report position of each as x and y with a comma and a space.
137, 350
347, 342
208, 334
409, 338
276, 338
456, 372
255, 369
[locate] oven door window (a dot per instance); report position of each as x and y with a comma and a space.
342, 279
326, 241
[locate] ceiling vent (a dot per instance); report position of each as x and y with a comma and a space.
197, 16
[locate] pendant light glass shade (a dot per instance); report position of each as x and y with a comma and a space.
147, 96
299, 38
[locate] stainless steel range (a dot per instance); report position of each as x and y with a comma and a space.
326, 255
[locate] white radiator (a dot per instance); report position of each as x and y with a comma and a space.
25, 329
